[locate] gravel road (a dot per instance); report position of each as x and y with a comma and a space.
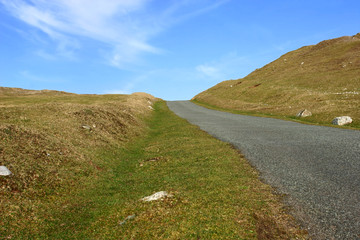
317, 167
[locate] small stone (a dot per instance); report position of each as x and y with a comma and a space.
342, 120
86, 127
151, 107
154, 159
156, 196
304, 113
4, 171
127, 219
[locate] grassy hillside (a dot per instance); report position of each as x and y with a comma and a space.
81, 164
323, 78
48, 140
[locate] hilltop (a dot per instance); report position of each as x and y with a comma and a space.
323, 78
6, 91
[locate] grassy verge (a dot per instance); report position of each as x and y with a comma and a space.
215, 193
308, 120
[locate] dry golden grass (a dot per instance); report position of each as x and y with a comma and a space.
323, 78
45, 146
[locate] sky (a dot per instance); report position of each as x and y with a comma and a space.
172, 49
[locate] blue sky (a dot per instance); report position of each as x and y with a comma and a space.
172, 49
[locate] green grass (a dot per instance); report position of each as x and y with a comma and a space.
216, 194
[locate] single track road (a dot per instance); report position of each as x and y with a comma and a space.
317, 167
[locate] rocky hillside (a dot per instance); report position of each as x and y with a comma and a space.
323, 78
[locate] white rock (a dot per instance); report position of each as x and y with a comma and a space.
304, 113
342, 120
131, 217
156, 196
151, 107
86, 127
4, 171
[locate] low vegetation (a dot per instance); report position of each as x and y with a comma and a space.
71, 182
323, 78
49, 140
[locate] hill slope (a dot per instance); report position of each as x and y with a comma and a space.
49, 140
323, 78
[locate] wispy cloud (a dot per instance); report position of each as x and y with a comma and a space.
192, 79
36, 78
45, 55
228, 66
125, 26
209, 71
132, 84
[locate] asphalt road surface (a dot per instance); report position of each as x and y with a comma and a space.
317, 167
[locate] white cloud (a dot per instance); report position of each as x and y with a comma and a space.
179, 5
132, 84
64, 20
126, 26
208, 70
226, 67
193, 79
35, 78
45, 55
